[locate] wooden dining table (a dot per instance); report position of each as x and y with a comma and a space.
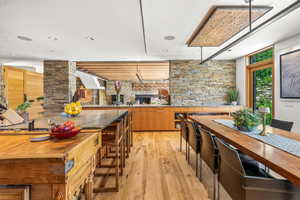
284, 163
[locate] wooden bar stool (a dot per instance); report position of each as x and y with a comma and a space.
116, 141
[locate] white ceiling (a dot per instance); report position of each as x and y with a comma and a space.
117, 28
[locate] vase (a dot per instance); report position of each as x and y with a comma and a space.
245, 128
118, 102
25, 116
234, 103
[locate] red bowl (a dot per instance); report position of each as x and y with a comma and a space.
65, 135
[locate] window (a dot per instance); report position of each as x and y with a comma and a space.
261, 56
260, 79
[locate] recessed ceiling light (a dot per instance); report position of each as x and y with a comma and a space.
229, 50
52, 38
24, 38
90, 38
169, 37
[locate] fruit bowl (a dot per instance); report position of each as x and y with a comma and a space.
67, 130
73, 109
64, 135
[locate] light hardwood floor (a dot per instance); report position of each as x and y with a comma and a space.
156, 170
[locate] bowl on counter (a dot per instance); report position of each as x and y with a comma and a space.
64, 131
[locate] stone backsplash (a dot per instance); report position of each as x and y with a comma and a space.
131, 88
2, 87
194, 84
1, 80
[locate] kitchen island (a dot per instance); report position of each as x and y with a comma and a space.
155, 117
52, 169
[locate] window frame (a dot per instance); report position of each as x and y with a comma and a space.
250, 68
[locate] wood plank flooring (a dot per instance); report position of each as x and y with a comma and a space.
156, 170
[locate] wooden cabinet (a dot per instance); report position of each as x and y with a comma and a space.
162, 118
14, 86
55, 170
20, 82
152, 119
14, 193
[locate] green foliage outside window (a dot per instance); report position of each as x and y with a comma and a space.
261, 56
264, 91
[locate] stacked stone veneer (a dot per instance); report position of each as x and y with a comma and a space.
129, 92
59, 83
194, 84
2, 87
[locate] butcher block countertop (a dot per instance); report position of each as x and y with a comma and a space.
17, 147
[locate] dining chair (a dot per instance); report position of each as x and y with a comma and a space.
280, 124
184, 134
194, 142
209, 165
237, 182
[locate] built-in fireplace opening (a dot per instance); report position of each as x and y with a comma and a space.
144, 99
114, 99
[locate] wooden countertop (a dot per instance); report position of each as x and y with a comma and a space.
284, 163
20, 147
89, 119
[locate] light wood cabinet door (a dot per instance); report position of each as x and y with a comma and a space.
14, 86
14, 193
152, 119
20, 82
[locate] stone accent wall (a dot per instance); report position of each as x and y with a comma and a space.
2, 86
195, 84
126, 90
1, 81
59, 83
129, 92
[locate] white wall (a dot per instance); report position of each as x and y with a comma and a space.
288, 110
241, 79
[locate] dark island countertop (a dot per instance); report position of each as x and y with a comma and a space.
89, 119
160, 106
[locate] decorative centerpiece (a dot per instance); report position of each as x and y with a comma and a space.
118, 87
74, 108
64, 131
233, 96
264, 111
246, 120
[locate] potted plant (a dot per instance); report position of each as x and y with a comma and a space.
246, 120
21, 109
233, 96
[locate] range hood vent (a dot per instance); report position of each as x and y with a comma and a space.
89, 81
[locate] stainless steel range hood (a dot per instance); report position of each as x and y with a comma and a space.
89, 81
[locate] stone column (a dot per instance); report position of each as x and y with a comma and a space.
1, 80
59, 83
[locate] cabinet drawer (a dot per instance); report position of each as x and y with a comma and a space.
14, 192
82, 154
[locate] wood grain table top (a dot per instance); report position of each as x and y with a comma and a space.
282, 162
